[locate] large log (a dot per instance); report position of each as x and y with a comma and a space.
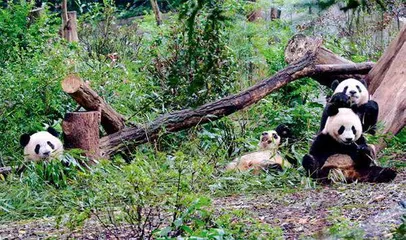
387, 83
90, 100
81, 130
176, 121
300, 44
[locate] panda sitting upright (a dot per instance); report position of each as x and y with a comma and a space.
353, 93
42, 145
341, 146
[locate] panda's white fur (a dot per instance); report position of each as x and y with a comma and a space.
41, 146
345, 127
262, 159
354, 89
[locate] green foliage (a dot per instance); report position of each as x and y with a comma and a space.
22, 35
194, 65
204, 51
400, 232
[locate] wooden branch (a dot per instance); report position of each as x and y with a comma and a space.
176, 121
90, 100
81, 130
299, 45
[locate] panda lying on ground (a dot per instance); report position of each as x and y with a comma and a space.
265, 159
353, 93
341, 146
42, 145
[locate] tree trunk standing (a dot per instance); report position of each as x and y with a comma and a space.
69, 24
176, 121
157, 13
299, 45
81, 130
91, 101
387, 84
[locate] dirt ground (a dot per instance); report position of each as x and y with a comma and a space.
376, 208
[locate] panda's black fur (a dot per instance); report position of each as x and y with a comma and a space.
287, 138
325, 148
367, 112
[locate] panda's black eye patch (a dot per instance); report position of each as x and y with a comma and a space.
341, 130
264, 133
345, 89
37, 148
354, 130
359, 89
274, 135
51, 145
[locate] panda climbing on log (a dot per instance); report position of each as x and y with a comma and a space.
353, 94
42, 145
341, 146
266, 158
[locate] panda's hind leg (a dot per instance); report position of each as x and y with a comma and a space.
377, 174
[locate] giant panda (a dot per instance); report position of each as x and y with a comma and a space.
353, 93
42, 145
265, 159
341, 146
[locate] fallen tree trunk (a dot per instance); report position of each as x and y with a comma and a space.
91, 101
176, 121
300, 44
387, 83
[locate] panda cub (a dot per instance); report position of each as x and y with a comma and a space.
353, 93
341, 146
42, 145
266, 158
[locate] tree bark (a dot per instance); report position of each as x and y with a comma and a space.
90, 100
81, 130
387, 84
157, 13
176, 121
299, 45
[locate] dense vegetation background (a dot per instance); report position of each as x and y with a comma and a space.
205, 50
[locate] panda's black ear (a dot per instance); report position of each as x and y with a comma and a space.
52, 131
24, 139
332, 110
334, 84
283, 130
364, 82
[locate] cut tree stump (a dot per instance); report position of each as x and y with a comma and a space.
69, 29
91, 101
81, 130
179, 120
387, 84
300, 44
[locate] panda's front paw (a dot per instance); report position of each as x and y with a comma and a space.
364, 149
